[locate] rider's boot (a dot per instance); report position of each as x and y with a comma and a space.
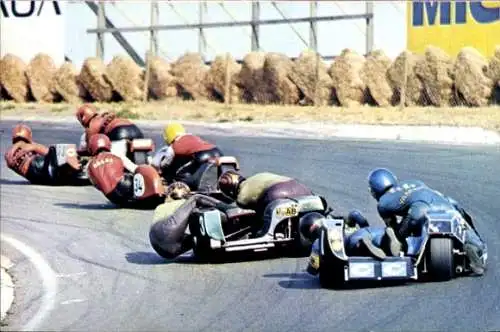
367, 244
390, 243
476, 252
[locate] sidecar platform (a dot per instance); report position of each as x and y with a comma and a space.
367, 268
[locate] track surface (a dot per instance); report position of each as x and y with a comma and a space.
109, 277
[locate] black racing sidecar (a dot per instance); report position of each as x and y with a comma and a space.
437, 253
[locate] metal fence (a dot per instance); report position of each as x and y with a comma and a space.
104, 25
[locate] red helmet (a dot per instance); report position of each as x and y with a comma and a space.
85, 113
99, 142
22, 132
229, 182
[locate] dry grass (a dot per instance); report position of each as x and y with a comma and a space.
487, 117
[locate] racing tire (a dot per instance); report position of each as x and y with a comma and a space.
140, 158
330, 276
441, 263
301, 246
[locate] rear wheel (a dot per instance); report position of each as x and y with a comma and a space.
331, 276
441, 260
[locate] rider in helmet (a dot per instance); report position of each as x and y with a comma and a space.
183, 154
171, 219
360, 239
106, 123
27, 158
411, 200
108, 172
258, 190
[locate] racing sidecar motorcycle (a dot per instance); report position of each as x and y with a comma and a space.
233, 229
69, 167
437, 253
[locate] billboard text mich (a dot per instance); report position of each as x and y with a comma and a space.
452, 25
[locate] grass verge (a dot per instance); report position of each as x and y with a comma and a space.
488, 117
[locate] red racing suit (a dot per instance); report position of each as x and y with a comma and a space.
21, 155
104, 123
186, 146
105, 172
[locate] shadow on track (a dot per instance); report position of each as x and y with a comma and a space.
26, 182
298, 280
15, 182
92, 206
303, 280
152, 258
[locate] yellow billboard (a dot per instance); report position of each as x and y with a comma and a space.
452, 25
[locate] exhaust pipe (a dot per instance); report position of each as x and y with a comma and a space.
459, 269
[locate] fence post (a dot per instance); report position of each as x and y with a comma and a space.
202, 41
370, 27
255, 26
313, 36
227, 85
316, 82
101, 24
403, 88
155, 13
147, 75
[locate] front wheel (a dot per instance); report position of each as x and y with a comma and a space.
441, 260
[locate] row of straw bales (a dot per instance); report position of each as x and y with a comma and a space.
433, 78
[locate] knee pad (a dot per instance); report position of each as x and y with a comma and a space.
355, 217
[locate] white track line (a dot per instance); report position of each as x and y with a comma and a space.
46, 273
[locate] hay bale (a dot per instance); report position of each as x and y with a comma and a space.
40, 73
414, 90
345, 71
13, 78
436, 73
303, 74
190, 73
470, 77
280, 89
94, 79
216, 78
126, 77
68, 85
494, 67
162, 83
251, 78
375, 74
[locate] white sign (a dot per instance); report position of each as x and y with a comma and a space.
31, 27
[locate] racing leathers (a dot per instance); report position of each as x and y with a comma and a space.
260, 189
113, 176
182, 158
111, 125
31, 161
411, 200
168, 233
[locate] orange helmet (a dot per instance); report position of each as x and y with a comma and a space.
85, 113
23, 132
99, 142
229, 182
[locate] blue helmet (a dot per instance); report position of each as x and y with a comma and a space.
380, 180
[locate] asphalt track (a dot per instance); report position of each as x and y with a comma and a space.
109, 278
